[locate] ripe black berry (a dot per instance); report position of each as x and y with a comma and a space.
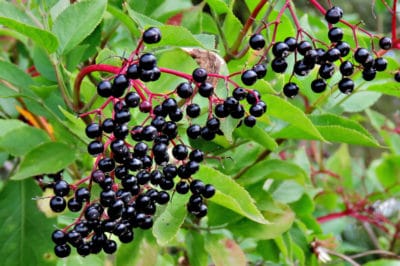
335, 34
133, 71
346, 68
169, 105
197, 186
326, 70
184, 90
196, 155
61, 188
220, 111
122, 116
343, 47
152, 74
280, 49
119, 85
250, 121
290, 89
182, 187
249, 77
207, 134
397, 76
93, 130
303, 47
62, 251
95, 147
318, 85
213, 124
147, 61
346, 85
261, 70
106, 164
206, 89
149, 133
108, 125
59, 237
163, 197
385, 43
301, 68
257, 41
132, 99
334, 14
291, 43
180, 152
380, 64
199, 74
152, 35
57, 204
239, 93
332, 55
256, 110
361, 55
208, 191
369, 74
279, 65
74, 205
104, 88
253, 96
82, 194
193, 131
145, 106
193, 110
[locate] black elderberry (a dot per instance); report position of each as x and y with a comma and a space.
301, 68
385, 43
279, 65
369, 62
257, 41
119, 85
118, 147
334, 14
136, 133
143, 177
199, 75
361, 55
238, 112
343, 47
152, 74
126, 237
256, 110
193, 110
250, 121
133, 71
213, 124
74, 205
397, 76
208, 191
180, 152
57, 204
320, 55
303, 47
107, 198
159, 149
261, 70
158, 122
335, 34
291, 43
346, 85
170, 129
239, 93
115, 210
93, 130
249, 77
380, 64
132, 99
207, 134
134, 164
182, 187
220, 111
106, 164
149, 133
62, 251
202, 211
170, 171
61, 188
290, 89
176, 115
121, 131
311, 57
82, 228
59, 237
167, 184
159, 111
280, 49
152, 35
184, 90
95, 248
95, 147
83, 249
169, 105
332, 55
318, 85
108, 125
192, 167
163, 197
104, 89
369, 74
193, 131
326, 70
82, 194
230, 104
147, 61
122, 116
206, 89
197, 186
253, 96
196, 199
346, 68
74, 238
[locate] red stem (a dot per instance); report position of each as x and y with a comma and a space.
394, 23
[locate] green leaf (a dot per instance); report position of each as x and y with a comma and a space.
10, 72
43, 63
388, 171
386, 86
25, 231
288, 191
219, 6
22, 139
231, 27
224, 251
195, 248
141, 20
168, 223
10, 125
284, 110
47, 158
383, 262
230, 194
360, 101
76, 22
13, 18
124, 18
257, 134
139, 253
178, 36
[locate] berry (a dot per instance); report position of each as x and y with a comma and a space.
182, 187
152, 74
238, 112
318, 85
206, 89
184, 90
193, 131
169, 105
279, 65
250, 121
145, 106
207, 134
213, 124
397, 76
311, 57
193, 110
120, 84
61, 188
333, 15
180, 152
149, 133
122, 117
208, 191
62, 251
104, 89
280, 49
163, 197
83, 249
93, 130
132, 99
380, 64
199, 74
343, 47
291, 43
385, 43
133, 71
59, 237
301, 68
220, 111
346, 68
257, 41
346, 85
369, 74
361, 55
239, 93
256, 110
303, 47
249, 77
196, 155
151, 35
95, 147
108, 125
253, 96
290, 89
82, 194
57, 204
260, 70
106, 164
158, 122
332, 55
326, 70
74, 205
147, 61
335, 34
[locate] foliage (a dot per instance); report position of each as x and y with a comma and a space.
316, 180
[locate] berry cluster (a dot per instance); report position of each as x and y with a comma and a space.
325, 57
138, 165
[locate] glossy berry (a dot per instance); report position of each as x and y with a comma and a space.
318, 85
108, 125
385, 43
291, 43
346, 85
280, 49
106, 164
184, 90
249, 77
208, 191
59, 237
230, 104
253, 96
151, 35
193, 110
199, 74
196, 155
213, 124
207, 134
122, 116
346, 68
397, 76
301, 68
279, 65
290, 89
95, 147
250, 121
326, 70
380, 64
335, 34
334, 14
343, 47
260, 70
147, 61
132, 99
206, 89
133, 71
82, 194
239, 93
57, 204
182, 187
74, 205
180, 152
193, 131
61, 188
303, 47
62, 251
93, 130
152, 74
257, 41
311, 57
361, 55
332, 55
104, 89
256, 110
369, 74
119, 85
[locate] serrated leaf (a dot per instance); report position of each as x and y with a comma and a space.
25, 230
168, 223
10, 72
279, 108
13, 18
360, 101
22, 139
258, 135
288, 191
224, 251
141, 20
47, 158
43, 63
124, 18
386, 86
230, 194
76, 22
219, 6
178, 36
